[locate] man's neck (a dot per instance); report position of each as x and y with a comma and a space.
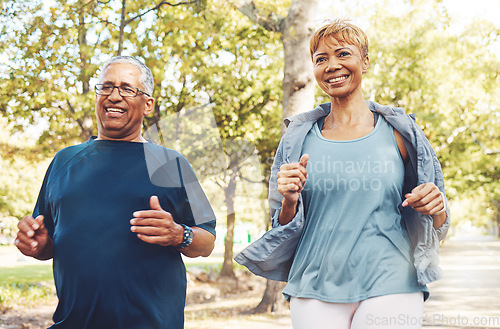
138, 139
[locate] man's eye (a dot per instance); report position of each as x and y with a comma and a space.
106, 88
128, 89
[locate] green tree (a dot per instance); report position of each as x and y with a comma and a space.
22, 174
48, 66
53, 51
197, 51
293, 21
229, 64
294, 29
449, 78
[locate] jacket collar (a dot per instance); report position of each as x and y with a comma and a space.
396, 116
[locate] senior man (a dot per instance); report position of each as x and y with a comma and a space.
115, 213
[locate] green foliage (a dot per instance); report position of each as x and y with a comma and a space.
450, 80
48, 67
22, 174
8, 228
19, 185
25, 285
208, 53
25, 294
55, 50
198, 53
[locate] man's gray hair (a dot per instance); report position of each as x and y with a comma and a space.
146, 78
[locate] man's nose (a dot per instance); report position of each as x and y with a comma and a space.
115, 94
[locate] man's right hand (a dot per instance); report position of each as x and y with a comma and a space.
33, 238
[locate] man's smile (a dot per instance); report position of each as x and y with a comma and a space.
114, 110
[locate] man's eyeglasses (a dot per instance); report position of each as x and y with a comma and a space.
124, 91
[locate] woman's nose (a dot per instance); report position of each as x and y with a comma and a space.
332, 65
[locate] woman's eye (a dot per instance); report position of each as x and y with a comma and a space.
344, 53
320, 59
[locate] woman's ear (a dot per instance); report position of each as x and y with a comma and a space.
366, 64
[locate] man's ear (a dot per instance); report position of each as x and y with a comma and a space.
366, 64
149, 106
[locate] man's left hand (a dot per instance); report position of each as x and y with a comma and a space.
156, 225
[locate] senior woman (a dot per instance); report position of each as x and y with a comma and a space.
357, 199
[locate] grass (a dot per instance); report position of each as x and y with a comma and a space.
31, 284
25, 285
25, 274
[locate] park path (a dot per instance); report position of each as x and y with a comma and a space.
468, 294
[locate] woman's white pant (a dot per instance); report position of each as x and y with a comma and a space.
396, 311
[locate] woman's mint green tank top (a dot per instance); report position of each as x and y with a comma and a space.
354, 245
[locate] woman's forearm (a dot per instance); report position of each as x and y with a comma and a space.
288, 211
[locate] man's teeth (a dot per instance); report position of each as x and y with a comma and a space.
333, 80
111, 109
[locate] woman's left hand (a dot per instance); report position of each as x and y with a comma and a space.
426, 199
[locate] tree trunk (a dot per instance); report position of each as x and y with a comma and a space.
298, 81
230, 192
122, 28
272, 301
298, 84
83, 118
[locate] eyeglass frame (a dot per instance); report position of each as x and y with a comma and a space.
119, 90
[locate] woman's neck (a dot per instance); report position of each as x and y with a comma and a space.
348, 111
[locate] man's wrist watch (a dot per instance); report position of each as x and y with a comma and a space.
187, 237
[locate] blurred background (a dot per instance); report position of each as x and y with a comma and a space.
239, 60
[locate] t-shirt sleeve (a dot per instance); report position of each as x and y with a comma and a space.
42, 206
201, 209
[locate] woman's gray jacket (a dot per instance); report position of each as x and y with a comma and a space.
271, 256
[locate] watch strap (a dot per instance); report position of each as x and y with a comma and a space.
187, 237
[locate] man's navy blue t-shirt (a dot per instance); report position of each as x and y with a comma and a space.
105, 276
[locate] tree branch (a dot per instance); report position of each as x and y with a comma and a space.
72, 110
247, 8
462, 129
485, 149
86, 132
158, 6
89, 3
262, 181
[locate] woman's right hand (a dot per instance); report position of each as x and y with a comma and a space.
292, 179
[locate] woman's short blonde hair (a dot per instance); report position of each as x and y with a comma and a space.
343, 32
